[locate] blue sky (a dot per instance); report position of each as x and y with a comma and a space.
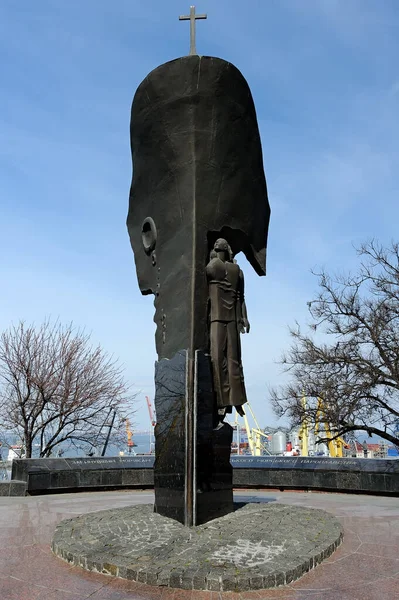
325, 80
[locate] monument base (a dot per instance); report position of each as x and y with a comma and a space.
257, 546
208, 441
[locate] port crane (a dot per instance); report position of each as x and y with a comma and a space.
152, 420
257, 438
129, 435
150, 412
335, 446
303, 433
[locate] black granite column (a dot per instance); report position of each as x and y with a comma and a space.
209, 473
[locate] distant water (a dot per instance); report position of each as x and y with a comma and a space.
144, 444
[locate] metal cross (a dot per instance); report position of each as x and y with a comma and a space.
192, 17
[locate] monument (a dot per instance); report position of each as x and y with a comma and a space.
198, 197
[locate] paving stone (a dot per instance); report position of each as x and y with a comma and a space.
163, 578
213, 582
229, 583
258, 546
199, 579
256, 582
176, 578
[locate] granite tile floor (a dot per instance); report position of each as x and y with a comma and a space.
365, 567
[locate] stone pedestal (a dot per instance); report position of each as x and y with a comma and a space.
192, 451
255, 547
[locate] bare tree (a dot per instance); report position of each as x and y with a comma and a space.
55, 387
349, 356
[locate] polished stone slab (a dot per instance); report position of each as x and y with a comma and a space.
364, 567
192, 464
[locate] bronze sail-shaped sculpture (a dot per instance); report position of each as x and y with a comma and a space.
197, 179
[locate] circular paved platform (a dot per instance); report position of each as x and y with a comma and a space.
258, 546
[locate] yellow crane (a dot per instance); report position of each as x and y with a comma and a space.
335, 445
256, 437
304, 432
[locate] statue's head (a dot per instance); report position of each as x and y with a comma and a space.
221, 245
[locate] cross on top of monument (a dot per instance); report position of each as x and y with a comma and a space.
192, 17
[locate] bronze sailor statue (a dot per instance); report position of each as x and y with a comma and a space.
227, 319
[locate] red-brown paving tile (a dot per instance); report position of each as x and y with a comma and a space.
326, 595
109, 593
126, 586
368, 568
123, 584
350, 543
152, 592
168, 593
182, 594
40, 568
79, 578
384, 589
10, 557
200, 595
354, 571
232, 596
351, 573
252, 594
147, 592
45, 548
379, 550
281, 593
62, 595
14, 589
179, 594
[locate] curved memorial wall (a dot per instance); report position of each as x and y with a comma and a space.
370, 476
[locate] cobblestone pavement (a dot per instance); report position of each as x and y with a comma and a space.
364, 567
258, 546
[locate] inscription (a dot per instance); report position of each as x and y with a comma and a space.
126, 461
93, 461
296, 462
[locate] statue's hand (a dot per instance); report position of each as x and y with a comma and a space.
246, 325
241, 326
